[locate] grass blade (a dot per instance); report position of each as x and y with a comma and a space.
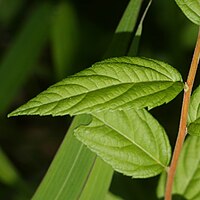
124, 32
100, 176
66, 176
64, 36
23, 54
8, 173
9, 9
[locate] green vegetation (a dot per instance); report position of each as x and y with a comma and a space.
115, 141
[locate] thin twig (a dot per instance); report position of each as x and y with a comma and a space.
183, 120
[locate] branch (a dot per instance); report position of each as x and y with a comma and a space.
183, 120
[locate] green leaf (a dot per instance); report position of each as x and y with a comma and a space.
111, 196
124, 33
187, 178
115, 84
135, 42
74, 171
23, 54
65, 170
194, 113
191, 9
194, 128
8, 173
100, 175
9, 10
10, 176
131, 141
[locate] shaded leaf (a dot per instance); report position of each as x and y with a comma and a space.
9, 9
135, 42
194, 113
187, 177
8, 173
115, 84
111, 196
175, 197
124, 33
131, 141
191, 9
64, 38
23, 54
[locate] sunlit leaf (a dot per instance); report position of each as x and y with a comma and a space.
115, 84
194, 113
191, 8
131, 141
187, 178
100, 175
65, 169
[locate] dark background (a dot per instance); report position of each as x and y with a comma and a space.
31, 142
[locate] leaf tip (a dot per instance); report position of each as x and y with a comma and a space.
13, 114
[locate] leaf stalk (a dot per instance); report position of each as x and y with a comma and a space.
183, 120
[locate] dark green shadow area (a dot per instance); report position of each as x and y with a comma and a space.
176, 197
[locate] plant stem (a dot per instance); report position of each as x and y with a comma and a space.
183, 120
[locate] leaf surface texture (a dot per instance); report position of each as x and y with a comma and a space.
194, 113
191, 8
114, 84
131, 141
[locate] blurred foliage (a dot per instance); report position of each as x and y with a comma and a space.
29, 62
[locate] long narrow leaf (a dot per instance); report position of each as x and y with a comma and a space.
64, 180
136, 39
23, 54
124, 33
100, 177
64, 38
9, 9
111, 196
8, 174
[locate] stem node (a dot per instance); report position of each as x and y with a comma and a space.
186, 87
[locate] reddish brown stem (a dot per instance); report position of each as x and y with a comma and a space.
183, 120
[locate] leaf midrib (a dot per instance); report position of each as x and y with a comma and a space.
42, 104
133, 142
120, 106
